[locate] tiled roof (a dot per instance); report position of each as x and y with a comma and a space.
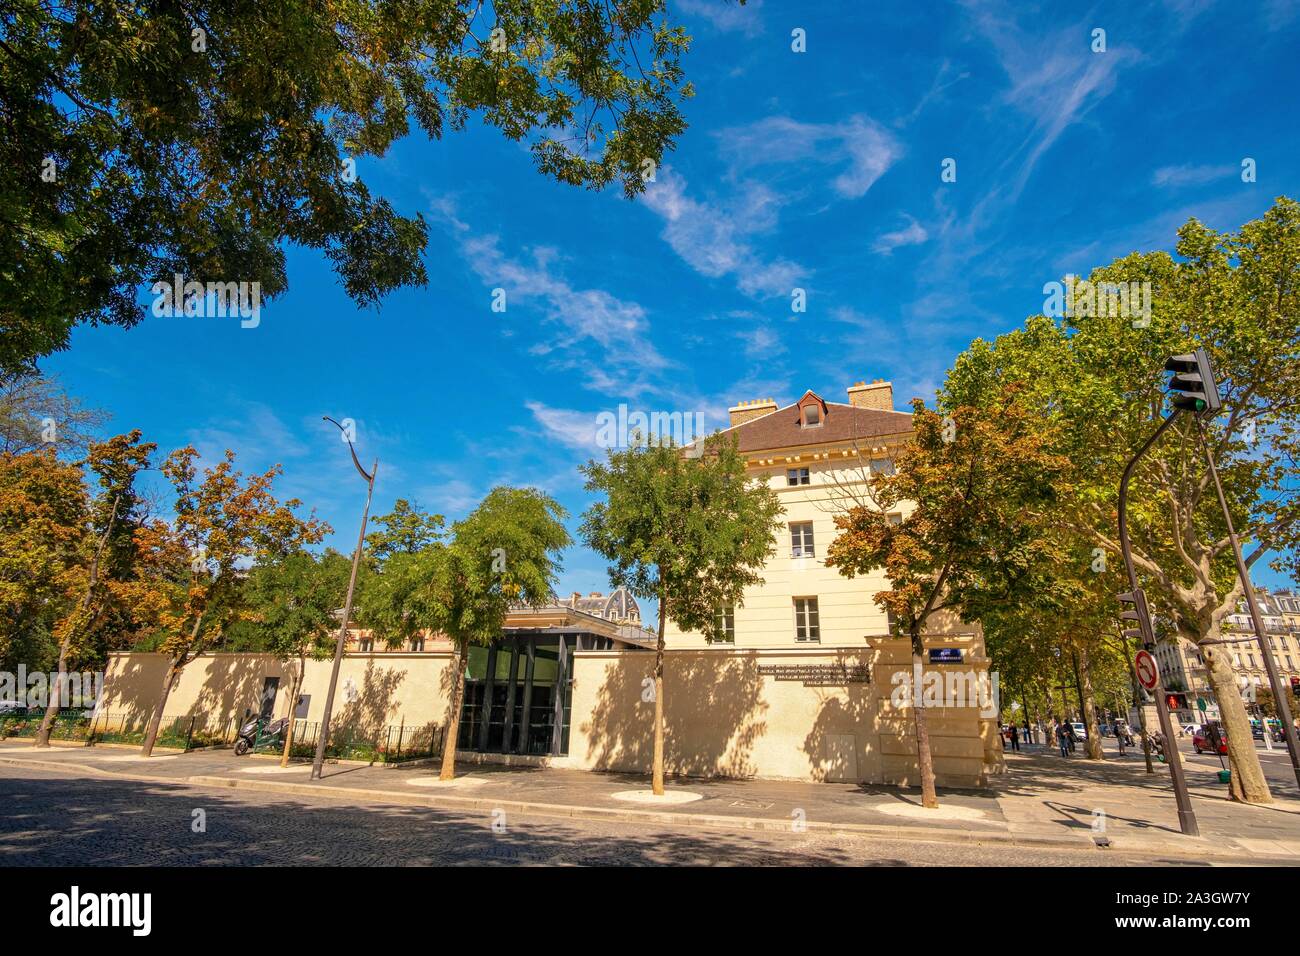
782, 428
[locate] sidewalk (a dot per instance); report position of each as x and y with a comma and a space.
1042, 800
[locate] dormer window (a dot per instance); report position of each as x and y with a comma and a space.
812, 410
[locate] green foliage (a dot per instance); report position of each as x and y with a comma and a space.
1099, 381
200, 138
690, 531
504, 553
292, 600
980, 481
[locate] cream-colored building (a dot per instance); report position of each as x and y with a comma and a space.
807, 687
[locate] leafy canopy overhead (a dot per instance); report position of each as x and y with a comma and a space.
147, 140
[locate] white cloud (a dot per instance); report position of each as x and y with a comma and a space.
1190, 175
725, 15
761, 342
714, 240
572, 428
913, 234
625, 362
1056, 79
860, 144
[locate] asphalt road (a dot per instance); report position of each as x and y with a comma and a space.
49, 818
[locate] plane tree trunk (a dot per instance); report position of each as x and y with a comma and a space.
1089, 705
657, 772
453, 716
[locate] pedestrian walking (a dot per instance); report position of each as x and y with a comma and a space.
1063, 739
1015, 738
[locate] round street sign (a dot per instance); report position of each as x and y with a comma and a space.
1146, 669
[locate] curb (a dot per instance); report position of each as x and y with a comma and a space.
354, 795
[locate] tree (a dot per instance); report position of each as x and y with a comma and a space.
36, 413
1097, 374
691, 532
222, 522
293, 600
402, 559
98, 594
43, 506
504, 553
960, 543
146, 141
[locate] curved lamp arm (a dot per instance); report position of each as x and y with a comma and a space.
355, 461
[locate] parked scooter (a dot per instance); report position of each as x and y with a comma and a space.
260, 731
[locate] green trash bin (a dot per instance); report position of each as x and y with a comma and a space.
1225, 776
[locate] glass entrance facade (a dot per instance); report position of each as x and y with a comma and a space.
518, 695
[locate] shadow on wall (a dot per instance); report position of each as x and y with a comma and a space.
366, 715
712, 716
233, 685
135, 686
844, 717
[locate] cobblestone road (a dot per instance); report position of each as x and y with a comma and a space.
51, 818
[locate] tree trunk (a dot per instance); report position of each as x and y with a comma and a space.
1089, 705
47, 722
453, 717
52, 708
174, 668
293, 705
657, 772
924, 759
1248, 784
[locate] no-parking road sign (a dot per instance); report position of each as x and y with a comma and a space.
1146, 669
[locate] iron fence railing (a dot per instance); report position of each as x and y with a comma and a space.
389, 744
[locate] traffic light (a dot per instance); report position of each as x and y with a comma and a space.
1139, 613
1295, 686
1194, 381
1176, 701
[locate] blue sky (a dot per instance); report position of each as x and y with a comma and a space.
818, 170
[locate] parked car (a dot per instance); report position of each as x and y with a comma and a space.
1080, 730
1189, 730
1201, 743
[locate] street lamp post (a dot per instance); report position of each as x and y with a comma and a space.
1274, 678
1186, 816
322, 738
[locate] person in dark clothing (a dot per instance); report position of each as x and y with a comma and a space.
1015, 737
1063, 739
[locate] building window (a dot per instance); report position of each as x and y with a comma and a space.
726, 623
796, 476
806, 627
882, 466
812, 415
801, 539
365, 645
417, 645
895, 518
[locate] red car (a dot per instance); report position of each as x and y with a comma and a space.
1202, 744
